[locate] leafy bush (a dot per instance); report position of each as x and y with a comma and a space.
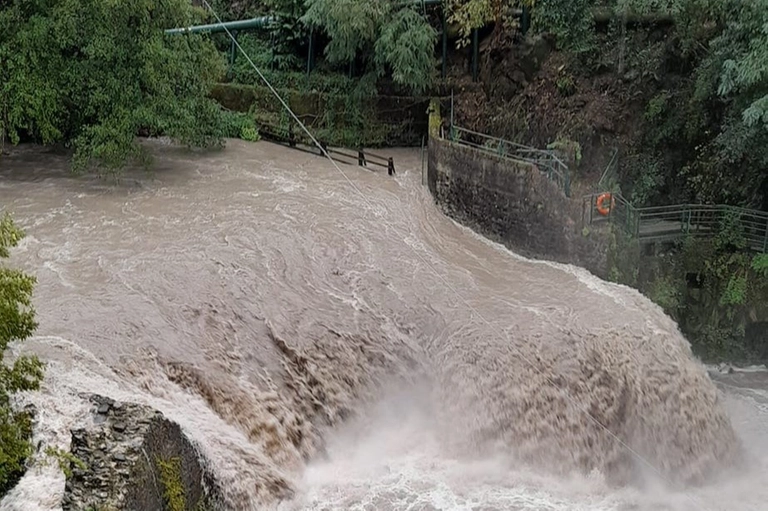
91, 74
241, 125
17, 322
388, 36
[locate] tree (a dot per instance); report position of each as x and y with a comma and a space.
387, 35
17, 323
91, 74
733, 77
721, 107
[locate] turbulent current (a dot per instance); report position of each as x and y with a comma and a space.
330, 350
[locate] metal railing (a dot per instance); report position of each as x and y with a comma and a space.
297, 139
544, 159
669, 223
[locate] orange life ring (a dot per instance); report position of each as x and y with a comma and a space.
605, 203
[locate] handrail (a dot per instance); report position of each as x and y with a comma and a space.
672, 222
360, 156
545, 159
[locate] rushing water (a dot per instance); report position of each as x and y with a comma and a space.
327, 350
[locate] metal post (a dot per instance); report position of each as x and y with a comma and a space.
310, 52
423, 173
445, 44
526, 21
765, 238
232, 50
475, 53
450, 128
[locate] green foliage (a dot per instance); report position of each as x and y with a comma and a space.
468, 15
388, 36
288, 35
65, 460
173, 487
260, 52
657, 106
17, 323
566, 85
648, 177
569, 150
665, 292
760, 265
93, 73
716, 135
570, 21
735, 292
243, 126
405, 46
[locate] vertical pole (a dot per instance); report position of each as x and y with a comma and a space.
391, 166
423, 173
765, 238
310, 51
475, 53
450, 128
445, 44
526, 21
232, 51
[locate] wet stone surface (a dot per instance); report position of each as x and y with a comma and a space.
118, 457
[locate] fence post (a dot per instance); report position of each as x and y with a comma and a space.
765, 237
391, 166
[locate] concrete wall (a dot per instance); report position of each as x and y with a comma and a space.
512, 203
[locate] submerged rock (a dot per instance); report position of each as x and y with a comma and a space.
133, 458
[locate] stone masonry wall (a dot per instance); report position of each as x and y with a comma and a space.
512, 203
120, 462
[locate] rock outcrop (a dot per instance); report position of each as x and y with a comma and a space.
133, 458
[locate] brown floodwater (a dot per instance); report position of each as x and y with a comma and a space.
333, 342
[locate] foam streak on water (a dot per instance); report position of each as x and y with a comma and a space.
253, 297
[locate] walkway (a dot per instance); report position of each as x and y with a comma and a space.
669, 223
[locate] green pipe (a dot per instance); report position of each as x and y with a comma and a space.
259, 22
222, 27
